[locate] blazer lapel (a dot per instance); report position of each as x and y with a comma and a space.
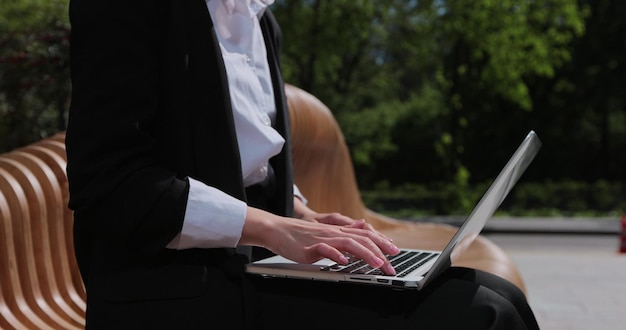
282, 162
215, 138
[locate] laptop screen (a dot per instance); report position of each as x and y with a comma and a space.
490, 201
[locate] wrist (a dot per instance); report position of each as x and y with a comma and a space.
301, 211
259, 227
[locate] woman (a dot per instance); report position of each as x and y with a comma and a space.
179, 171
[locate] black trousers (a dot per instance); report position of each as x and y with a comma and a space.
461, 298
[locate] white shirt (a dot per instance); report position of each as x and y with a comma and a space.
243, 49
213, 218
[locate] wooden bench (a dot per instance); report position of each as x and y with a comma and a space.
40, 286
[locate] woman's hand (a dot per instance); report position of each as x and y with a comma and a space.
330, 235
303, 212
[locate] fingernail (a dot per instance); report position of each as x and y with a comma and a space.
389, 270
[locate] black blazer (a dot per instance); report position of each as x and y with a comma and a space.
150, 108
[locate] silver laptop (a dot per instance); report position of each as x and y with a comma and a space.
414, 268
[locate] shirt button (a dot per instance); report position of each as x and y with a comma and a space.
248, 58
262, 171
266, 120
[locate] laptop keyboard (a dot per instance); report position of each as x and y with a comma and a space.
404, 263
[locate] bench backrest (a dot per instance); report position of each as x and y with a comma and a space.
41, 287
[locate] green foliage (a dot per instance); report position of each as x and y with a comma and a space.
496, 44
34, 70
373, 132
365, 59
587, 100
425, 91
549, 198
22, 15
569, 198
325, 43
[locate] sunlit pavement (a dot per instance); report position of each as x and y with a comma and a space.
574, 280
574, 272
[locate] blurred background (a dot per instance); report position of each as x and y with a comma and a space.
432, 96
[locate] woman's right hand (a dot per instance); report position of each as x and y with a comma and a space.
330, 236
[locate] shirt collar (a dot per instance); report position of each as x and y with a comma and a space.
246, 7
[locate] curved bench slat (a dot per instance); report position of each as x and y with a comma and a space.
37, 257
15, 285
52, 262
9, 305
69, 279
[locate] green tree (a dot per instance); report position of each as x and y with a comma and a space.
586, 98
333, 49
34, 70
467, 62
490, 50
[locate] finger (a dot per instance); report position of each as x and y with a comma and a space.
365, 249
323, 250
335, 219
359, 246
342, 220
381, 242
361, 224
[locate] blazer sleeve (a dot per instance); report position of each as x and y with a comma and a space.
118, 180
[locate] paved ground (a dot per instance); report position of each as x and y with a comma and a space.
574, 280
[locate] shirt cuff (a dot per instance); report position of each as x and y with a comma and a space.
298, 193
213, 219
